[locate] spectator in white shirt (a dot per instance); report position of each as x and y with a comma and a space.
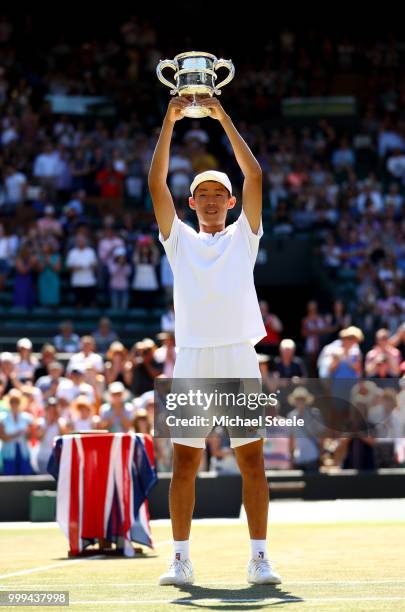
47, 168
82, 263
15, 184
25, 363
47, 428
71, 388
87, 358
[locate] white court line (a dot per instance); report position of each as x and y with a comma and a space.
221, 583
43, 568
143, 602
68, 562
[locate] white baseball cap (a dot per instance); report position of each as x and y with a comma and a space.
211, 175
24, 343
116, 387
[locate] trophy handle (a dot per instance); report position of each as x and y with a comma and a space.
222, 63
161, 66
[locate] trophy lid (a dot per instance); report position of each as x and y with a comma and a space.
195, 54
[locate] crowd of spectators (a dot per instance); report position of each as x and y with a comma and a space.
95, 382
75, 214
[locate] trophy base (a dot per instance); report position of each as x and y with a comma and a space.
196, 112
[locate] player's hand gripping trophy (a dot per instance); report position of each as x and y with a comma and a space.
195, 76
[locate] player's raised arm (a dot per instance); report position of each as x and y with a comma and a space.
161, 197
252, 185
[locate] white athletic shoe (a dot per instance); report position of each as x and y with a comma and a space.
259, 571
179, 572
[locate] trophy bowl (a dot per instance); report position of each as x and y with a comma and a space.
195, 76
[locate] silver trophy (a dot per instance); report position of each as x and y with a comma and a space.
195, 75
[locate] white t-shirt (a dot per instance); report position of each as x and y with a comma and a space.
80, 360
68, 391
85, 259
214, 295
47, 164
15, 186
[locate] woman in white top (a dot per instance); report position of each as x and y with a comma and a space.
145, 283
48, 428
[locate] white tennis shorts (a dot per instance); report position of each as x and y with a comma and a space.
229, 361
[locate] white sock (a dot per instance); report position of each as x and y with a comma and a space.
259, 549
181, 549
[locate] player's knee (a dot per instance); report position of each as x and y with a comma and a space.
186, 461
251, 464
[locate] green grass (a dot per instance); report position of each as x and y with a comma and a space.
349, 567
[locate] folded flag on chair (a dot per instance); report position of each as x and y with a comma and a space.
103, 481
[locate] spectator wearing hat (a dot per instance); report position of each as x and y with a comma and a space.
346, 359
119, 273
383, 352
147, 401
116, 414
117, 367
49, 383
145, 368
166, 354
287, 364
306, 443
47, 428
83, 417
352, 336
75, 385
104, 336
145, 284
141, 422
25, 362
14, 430
32, 399
49, 265
82, 263
67, 341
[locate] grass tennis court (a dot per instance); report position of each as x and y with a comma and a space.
347, 566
